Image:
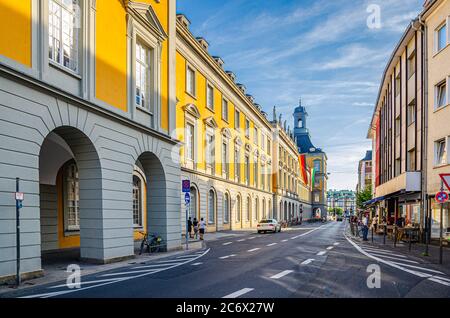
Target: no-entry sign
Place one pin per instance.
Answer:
(442, 197)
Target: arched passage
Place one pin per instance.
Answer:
(71, 197)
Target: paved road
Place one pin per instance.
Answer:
(313, 261)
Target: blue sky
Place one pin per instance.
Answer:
(321, 51)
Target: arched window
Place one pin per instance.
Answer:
(137, 201)
(249, 207)
(238, 209)
(226, 208)
(211, 207)
(193, 205)
(71, 197)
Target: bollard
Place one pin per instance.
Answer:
(372, 234)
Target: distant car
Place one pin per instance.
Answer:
(339, 218)
(270, 225)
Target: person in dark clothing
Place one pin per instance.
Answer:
(189, 224)
(195, 224)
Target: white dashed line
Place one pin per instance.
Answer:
(242, 240)
(284, 241)
(197, 264)
(228, 243)
(239, 293)
(254, 249)
(228, 256)
(308, 261)
(251, 238)
(330, 248)
(321, 253)
(271, 244)
(282, 274)
(336, 244)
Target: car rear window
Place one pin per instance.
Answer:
(265, 221)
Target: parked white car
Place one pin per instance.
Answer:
(270, 225)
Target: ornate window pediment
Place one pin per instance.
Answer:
(211, 122)
(238, 141)
(144, 13)
(192, 110)
(226, 133)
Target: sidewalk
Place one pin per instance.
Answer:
(417, 249)
(55, 266)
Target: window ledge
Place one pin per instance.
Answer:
(441, 166)
(64, 69)
(440, 108)
(439, 52)
(193, 96)
(211, 109)
(145, 110)
(71, 233)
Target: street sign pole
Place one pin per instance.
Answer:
(186, 189)
(18, 203)
(187, 226)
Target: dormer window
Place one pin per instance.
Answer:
(63, 32)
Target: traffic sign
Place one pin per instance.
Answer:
(446, 179)
(186, 185)
(442, 197)
(187, 198)
(19, 196)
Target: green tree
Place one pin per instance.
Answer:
(363, 196)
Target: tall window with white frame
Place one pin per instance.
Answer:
(249, 208)
(247, 128)
(441, 37)
(143, 78)
(255, 172)
(210, 97)
(137, 201)
(72, 197)
(225, 165)
(190, 81)
(238, 209)
(211, 207)
(226, 208)
(247, 170)
(224, 109)
(441, 94)
(210, 152)
(237, 166)
(440, 152)
(63, 31)
(190, 140)
(237, 119)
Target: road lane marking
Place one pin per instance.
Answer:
(53, 294)
(154, 265)
(284, 241)
(329, 248)
(282, 274)
(374, 250)
(271, 244)
(228, 243)
(228, 256)
(439, 281)
(197, 264)
(395, 258)
(251, 238)
(418, 267)
(308, 261)
(254, 249)
(413, 272)
(90, 282)
(239, 293)
(321, 253)
(130, 272)
(336, 244)
(242, 240)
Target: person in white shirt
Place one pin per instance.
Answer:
(365, 223)
(202, 228)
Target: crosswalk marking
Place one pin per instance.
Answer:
(282, 274)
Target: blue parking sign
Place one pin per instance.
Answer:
(187, 198)
(186, 185)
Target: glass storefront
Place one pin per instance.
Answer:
(436, 218)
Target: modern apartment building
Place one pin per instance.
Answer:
(409, 128)
(87, 105)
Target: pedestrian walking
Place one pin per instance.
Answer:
(365, 226)
(195, 224)
(202, 228)
(375, 223)
(189, 224)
